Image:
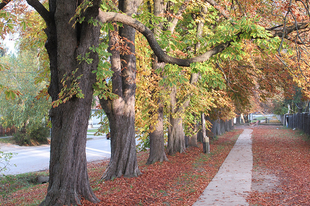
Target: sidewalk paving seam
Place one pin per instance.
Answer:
(233, 181)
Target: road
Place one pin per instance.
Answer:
(36, 158)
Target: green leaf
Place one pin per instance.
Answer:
(111, 27)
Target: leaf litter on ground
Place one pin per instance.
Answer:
(283, 155)
(179, 181)
(281, 174)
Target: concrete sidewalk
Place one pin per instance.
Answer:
(231, 184)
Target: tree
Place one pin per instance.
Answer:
(7, 25)
(65, 44)
(26, 112)
(121, 110)
(156, 133)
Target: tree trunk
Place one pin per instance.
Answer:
(122, 136)
(206, 140)
(193, 139)
(68, 180)
(238, 119)
(217, 124)
(213, 128)
(222, 126)
(176, 136)
(157, 144)
(157, 141)
(121, 111)
(200, 136)
(226, 126)
(232, 124)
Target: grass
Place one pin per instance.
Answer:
(12, 183)
(7, 140)
(259, 118)
(92, 130)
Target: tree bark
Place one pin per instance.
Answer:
(222, 123)
(121, 111)
(212, 129)
(232, 124)
(226, 126)
(157, 144)
(68, 180)
(200, 136)
(176, 136)
(193, 139)
(194, 79)
(238, 119)
(206, 139)
(217, 127)
(157, 141)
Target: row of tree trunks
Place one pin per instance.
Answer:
(219, 127)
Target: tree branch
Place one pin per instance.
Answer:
(4, 3)
(46, 15)
(275, 31)
(178, 14)
(162, 56)
(219, 8)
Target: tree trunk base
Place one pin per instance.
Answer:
(152, 160)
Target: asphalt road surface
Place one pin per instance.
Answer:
(36, 158)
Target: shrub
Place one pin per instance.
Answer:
(21, 138)
(40, 135)
(32, 136)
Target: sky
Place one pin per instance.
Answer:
(9, 42)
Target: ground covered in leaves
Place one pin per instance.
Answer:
(281, 172)
(180, 181)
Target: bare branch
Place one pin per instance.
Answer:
(278, 30)
(287, 66)
(297, 30)
(46, 15)
(306, 6)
